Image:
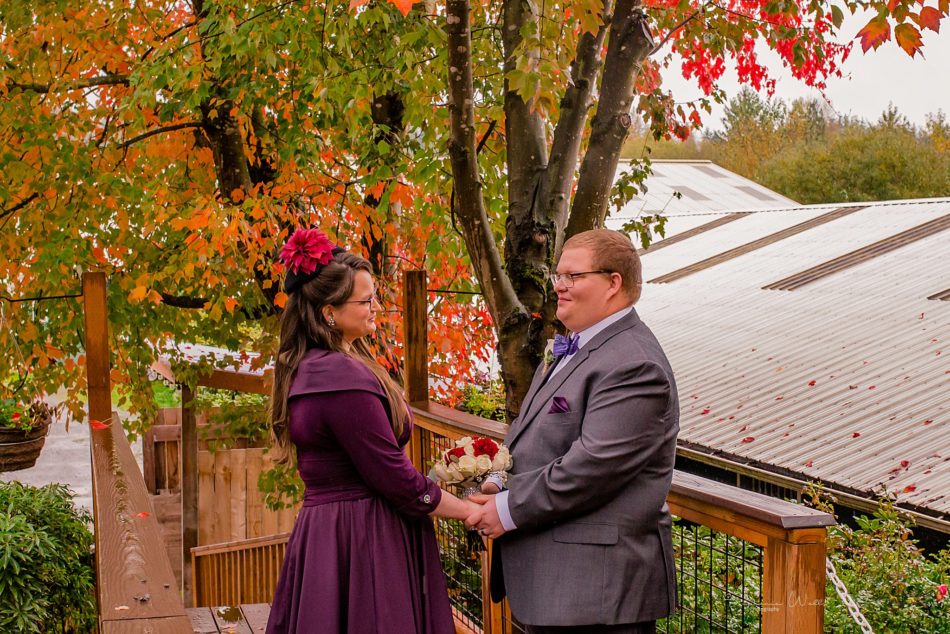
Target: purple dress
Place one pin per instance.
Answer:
(362, 557)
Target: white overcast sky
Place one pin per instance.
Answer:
(871, 81)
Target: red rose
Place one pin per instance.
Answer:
(485, 447)
(458, 452)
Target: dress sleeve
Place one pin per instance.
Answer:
(361, 425)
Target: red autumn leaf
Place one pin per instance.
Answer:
(748, 439)
(910, 488)
(402, 5)
(856, 434)
(905, 463)
(779, 398)
(536, 315)
(809, 463)
(928, 421)
(908, 38)
(874, 33)
(785, 435)
(142, 514)
(812, 383)
(871, 387)
(743, 428)
(930, 19)
(98, 424)
(704, 412)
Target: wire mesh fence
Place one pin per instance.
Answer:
(718, 581)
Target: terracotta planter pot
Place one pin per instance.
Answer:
(19, 449)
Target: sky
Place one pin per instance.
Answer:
(871, 81)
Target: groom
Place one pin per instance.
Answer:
(583, 530)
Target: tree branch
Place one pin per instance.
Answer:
(569, 132)
(90, 82)
(163, 129)
(476, 227)
(9, 211)
(629, 44)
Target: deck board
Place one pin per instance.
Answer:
(244, 619)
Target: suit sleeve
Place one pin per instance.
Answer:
(625, 429)
(361, 426)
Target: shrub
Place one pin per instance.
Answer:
(46, 576)
(896, 585)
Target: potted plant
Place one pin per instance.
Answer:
(23, 429)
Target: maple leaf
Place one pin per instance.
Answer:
(908, 38)
(874, 33)
(138, 293)
(929, 18)
(748, 439)
(402, 5)
(98, 424)
(910, 488)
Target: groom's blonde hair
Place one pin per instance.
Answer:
(612, 251)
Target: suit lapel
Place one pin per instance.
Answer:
(540, 392)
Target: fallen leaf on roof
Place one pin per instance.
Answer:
(748, 439)
(809, 463)
(704, 412)
(856, 434)
(905, 463)
(812, 383)
(910, 488)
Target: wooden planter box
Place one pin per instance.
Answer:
(19, 449)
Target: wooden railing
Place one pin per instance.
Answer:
(136, 588)
(243, 571)
(792, 537)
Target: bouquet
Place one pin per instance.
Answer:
(470, 461)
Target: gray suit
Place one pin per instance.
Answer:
(588, 488)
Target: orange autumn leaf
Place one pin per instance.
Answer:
(138, 294)
(874, 33)
(908, 38)
(910, 488)
(98, 424)
(930, 18)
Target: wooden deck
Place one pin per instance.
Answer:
(243, 619)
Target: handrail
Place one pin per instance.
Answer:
(136, 588)
(792, 536)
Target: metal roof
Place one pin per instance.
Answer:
(704, 187)
(846, 379)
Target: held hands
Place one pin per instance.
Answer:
(484, 516)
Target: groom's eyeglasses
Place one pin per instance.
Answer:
(567, 279)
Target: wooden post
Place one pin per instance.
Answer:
(189, 490)
(415, 313)
(95, 306)
(415, 306)
(793, 583)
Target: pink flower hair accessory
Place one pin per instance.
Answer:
(306, 252)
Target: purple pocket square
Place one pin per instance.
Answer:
(559, 405)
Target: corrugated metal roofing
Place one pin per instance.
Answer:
(846, 380)
(705, 189)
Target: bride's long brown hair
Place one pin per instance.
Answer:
(303, 326)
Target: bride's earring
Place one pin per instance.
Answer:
(331, 321)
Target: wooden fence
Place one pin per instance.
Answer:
(230, 505)
(238, 572)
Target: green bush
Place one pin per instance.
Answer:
(46, 573)
(896, 584)
(485, 398)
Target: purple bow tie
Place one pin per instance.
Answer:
(565, 345)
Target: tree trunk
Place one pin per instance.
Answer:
(630, 43)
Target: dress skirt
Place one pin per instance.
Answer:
(357, 567)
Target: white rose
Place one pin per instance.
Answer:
(464, 441)
(502, 460)
(483, 463)
(439, 472)
(455, 475)
(467, 467)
